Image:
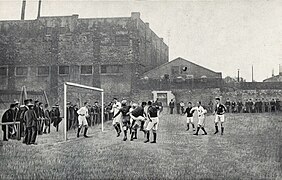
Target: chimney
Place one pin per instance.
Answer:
(23, 9)
(272, 72)
(39, 9)
(280, 70)
(147, 24)
(252, 73)
(135, 15)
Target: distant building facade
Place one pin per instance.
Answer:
(109, 53)
(181, 68)
(277, 78)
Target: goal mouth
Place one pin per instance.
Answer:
(71, 84)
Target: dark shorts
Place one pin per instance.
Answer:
(126, 121)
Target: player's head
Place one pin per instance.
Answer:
(46, 106)
(85, 104)
(199, 103)
(40, 104)
(115, 100)
(217, 100)
(143, 104)
(189, 104)
(149, 103)
(12, 106)
(123, 102)
(96, 103)
(134, 105)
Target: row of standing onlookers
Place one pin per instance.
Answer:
(248, 106)
(33, 118)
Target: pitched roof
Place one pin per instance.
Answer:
(178, 59)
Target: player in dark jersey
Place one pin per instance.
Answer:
(189, 116)
(153, 122)
(220, 110)
(137, 116)
(124, 110)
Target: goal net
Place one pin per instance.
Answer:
(74, 97)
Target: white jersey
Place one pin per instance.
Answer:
(200, 110)
(116, 108)
(83, 111)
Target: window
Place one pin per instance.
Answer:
(175, 70)
(43, 71)
(122, 40)
(108, 69)
(63, 70)
(21, 71)
(3, 71)
(84, 69)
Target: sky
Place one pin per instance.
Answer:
(222, 35)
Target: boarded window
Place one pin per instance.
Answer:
(64, 70)
(175, 70)
(21, 71)
(107, 69)
(43, 71)
(84, 69)
(122, 40)
(3, 71)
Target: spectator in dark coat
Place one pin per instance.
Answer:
(7, 117)
(30, 120)
(272, 105)
(227, 105)
(47, 119)
(277, 105)
(171, 106)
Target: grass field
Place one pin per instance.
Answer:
(250, 149)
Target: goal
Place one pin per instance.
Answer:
(68, 84)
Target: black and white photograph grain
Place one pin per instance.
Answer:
(140, 89)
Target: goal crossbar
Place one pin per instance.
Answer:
(66, 84)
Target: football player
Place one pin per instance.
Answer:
(117, 120)
(124, 111)
(201, 116)
(82, 122)
(137, 116)
(219, 112)
(189, 116)
(153, 122)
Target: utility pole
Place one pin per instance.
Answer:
(252, 73)
(23, 9)
(238, 75)
(39, 9)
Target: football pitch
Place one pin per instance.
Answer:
(251, 148)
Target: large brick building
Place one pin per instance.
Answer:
(106, 52)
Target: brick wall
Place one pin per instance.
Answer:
(72, 41)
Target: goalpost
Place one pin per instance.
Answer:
(66, 84)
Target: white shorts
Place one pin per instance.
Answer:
(82, 121)
(117, 119)
(201, 121)
(219, 118)
(190, 120)
(153, 125)
(139, 118)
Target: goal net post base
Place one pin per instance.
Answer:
(66, 85)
